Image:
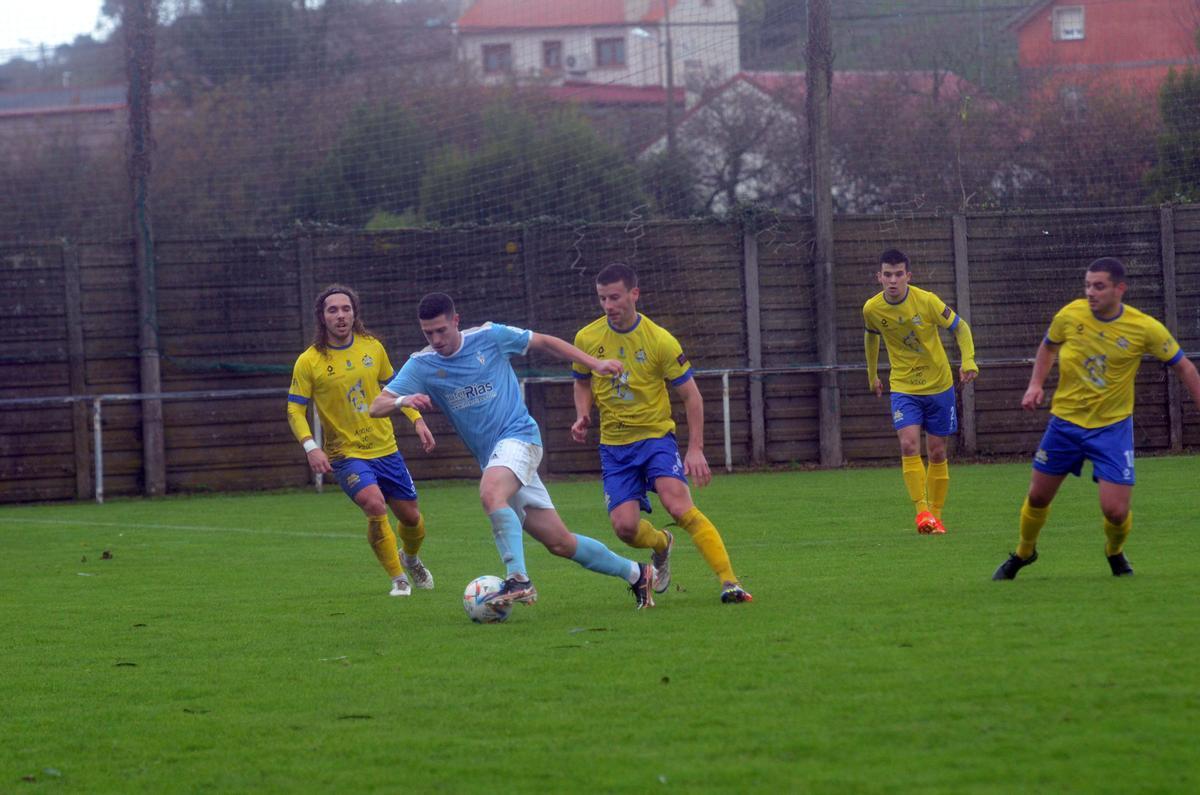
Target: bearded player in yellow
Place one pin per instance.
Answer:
(1099, 342)
(341, 372)
(922, 386)
(638, 451)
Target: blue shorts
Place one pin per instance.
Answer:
(1065, 445)
(629, 470)
(935, 413)
(388, 472)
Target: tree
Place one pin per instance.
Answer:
(551, 165)
(375, 166)
(1176, 176)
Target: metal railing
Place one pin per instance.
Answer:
(97, 402)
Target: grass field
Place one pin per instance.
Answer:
(247, 644)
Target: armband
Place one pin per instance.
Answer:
(310, 445)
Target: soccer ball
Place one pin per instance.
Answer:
(477, 609)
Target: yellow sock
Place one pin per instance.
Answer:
(937, 482)
(383, 542)
(1116, 534)
(649, 537)
(708, 541)
(913, 471)
(1032, 520)
(412, 537)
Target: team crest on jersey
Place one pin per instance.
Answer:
(640, 356)
(441, 373)
(1122, 343)
(367, 361)
(916, 320)
(480, 357)
(1097, 369)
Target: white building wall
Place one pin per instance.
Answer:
(710, 47)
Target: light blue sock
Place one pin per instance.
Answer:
(594, 556)
(506, 530)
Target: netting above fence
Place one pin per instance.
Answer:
(376, 114)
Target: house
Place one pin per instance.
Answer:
(604, 42)
(745, 138)
(95, 116)
(1071, 47)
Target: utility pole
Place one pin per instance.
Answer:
(819, 80)
(139, 20)
(670, 79)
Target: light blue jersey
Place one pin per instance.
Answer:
(475, 387)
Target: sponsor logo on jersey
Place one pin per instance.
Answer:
(471, 395)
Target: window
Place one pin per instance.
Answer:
(1068, 23)
(552, 56)
(1074, 103)
(497, 58)
(610, 52)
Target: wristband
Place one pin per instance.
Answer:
(398, 399)
(310, 445)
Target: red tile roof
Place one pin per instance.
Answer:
(612, 94)
(504, 14)
(542, 13)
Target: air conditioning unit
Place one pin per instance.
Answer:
(578, 64)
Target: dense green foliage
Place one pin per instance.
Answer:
(1176, 177)
(552, 165)
(246, 643)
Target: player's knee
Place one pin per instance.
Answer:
(560, 547)
(407, 513)
(491, 502)
(1114, 513)
(373, 506)
(625, 531)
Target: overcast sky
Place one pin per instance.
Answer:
(24, 24)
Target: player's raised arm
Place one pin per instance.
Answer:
(388, 403)
(565, 350)
(1042, 363)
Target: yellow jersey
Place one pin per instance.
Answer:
(634, 405)
(910, 331)
(1099, 359)
(343, 382)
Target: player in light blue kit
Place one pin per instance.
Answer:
(467, 375)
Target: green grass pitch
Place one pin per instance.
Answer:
(247, 644)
